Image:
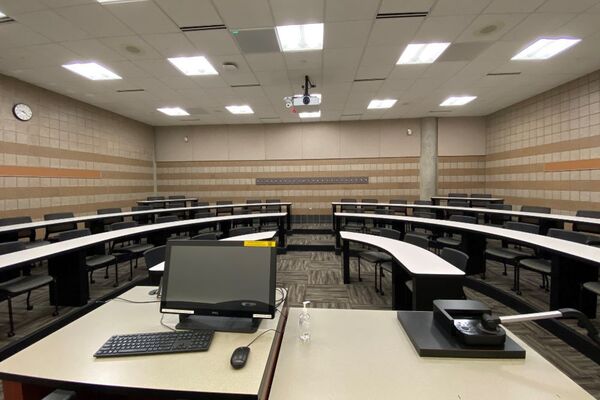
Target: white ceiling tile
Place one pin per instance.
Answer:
(513, 6)
(537, 25)
(159, 68)
(94, 19)
(381, 56)
(338, 75)
(570, 6)
(341, 58)
(350, 10)
(303, 60)
(51, 25)
(17, 35)
(459, 7)
(121, 45)
(442, 29)
(393, 31)
(265, 61)
(171, 44)
(217, 42)
(373, 72)
(239, 14)
(190, 12)
(401, 72)
(272, 78)
(294, 12)
(503, 22)
(93, 49)
(346, 34)
(401, 6)
(14, 7)
(583, 25)
(239, 78)
(143, 17)
(210, 81)
(444, 69)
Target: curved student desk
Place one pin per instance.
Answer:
(438, 199)
(65, 259)
(96, 224)
(64, 359)
(160, 267)
(572, 263)
(366, 354)
(547, 220)
(166, 201)
(432, 277)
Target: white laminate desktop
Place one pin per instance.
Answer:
(572, 249)
(167, 200)
(416, 260)
(53, 249)
(160, 267)
(366, 354)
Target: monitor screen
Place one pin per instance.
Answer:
(233, 279)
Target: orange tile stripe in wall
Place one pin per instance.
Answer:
(49, 172)
(578, 165)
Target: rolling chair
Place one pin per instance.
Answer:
(411, 238)
(533, 209)
(155, 256)
(177, 197)
(398, 211)
(497, 219)
(124, 250)
(480, 203)
(594, 239)
(21, 285)
(156, 205)
(28, 234)
(458, 195)
(377, 257)
(270, 224)
(454, 241)
(456, 203)
(224, 210)
(52, 230)
(141, 219)
(110, 220)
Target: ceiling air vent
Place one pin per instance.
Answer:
(503, 73)
(196, 28)
(130, 90)
(246, 85)
(417, 14)
(369, 79)
(440, 111)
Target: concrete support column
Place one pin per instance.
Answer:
(428, 161)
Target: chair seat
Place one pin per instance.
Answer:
(24, 284)
(537, 264)
(409, 285)
(506, 253)
(134, 248)
(422, 234)
(592, 287)
(100, 260)
(37, 243)
(351, 228)
(449, 241)
(375, 256)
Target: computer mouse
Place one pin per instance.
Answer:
(239, 357)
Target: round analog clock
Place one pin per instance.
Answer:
(22, 112)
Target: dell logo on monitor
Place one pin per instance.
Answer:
(248, 304)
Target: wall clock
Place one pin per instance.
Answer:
(22, 112)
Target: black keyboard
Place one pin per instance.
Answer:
(156, 343)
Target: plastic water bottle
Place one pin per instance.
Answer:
(304, 322)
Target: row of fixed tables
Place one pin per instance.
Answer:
(572, 263)
(66, 258)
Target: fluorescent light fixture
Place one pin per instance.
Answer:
(457, 100)
(173, 111)
(544, 49)
(300, 37)
(194, 65)
(240, 109)
(422, 53)
(2, 15)
(92, 71)
(314, 114)
(377, 104)
(117, 1)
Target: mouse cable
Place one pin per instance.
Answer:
(125, 300)
(254, 340)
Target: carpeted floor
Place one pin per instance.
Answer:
(316, 276)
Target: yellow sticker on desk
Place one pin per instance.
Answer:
(256, 243)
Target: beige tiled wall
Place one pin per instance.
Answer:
(546, 150)
(70, 156)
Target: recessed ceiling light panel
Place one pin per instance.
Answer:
(117, 1)
(92, 71)
(379, 104)
(457, 101)
(2, 15)
(245, 109)
(194, 65)
(543, 49)
(313, 114)
(422, 53)
(300, 37)
(173, 111)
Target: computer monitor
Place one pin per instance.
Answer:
(220, 285)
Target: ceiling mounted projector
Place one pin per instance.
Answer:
(305, 99)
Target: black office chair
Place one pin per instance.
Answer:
(480, 203)
(533, 209)
(452, 240)
(21, 284)
(206, 236)
(155, 198)
(52, 230)
(458, 195)
(376, 257)
(224, 210)
(253, 209)
(142, 219)
(511, 255)
(124, 250)
(592, 286)
(157, 205)
(497, 219)
(422, 203)
(241, 230)
(421, 231)
(28, 234)
(456, 203)
(369, 207)
(594, 229)
(95, 261)
(398, 210)
(542, 264)
(270, 224)
(110, 220)
(353, 224)
(163, 219)
(454, 257)
(387, 266)
(155, 256)
(176, 197)
(348, 207)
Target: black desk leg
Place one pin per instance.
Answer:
(281, 233)
(336, 232)
(346, 261)
(427, 288)
(333, 207)
(567, 277)
(547, 224)
(71, 287)
(401, 295)
(399, 226)
(474, 245)
(225, 226)
(288, 217)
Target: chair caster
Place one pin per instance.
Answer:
(381, 293)
(106, 276)
(116, 284)
(29, 308)
(10, 334)
(360, 279)
(130, 278)
(55, 314)
(518, 292)
(92, 281)
(504, 273)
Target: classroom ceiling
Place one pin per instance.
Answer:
(357, 63)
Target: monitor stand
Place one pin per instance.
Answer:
(222, 324)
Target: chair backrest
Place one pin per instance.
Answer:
(398, 201)
(142, 219)
(165, 218)
(481, 195)
(423, 202)
(156, 197)
(177, 196)
(241, 230)
(571, 236)
(154, 256)
(498, 219)
(349, 207)
(458, 203)
(522, 227)
(176, 204)
(224, 210)
(464, 218)
(111, 220)
(11, 247)
(271, 209)
(389, 233)
(533, 209)
(73, 234)
(458, 195)
(417, 240)
(496, 206)
(205, 236)
(583, 227)
(123, 225)
(455, 257)
(53, 229)
(24, 233)
(369, 207)
(203, 214)
(253, 208)
(424, 214)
